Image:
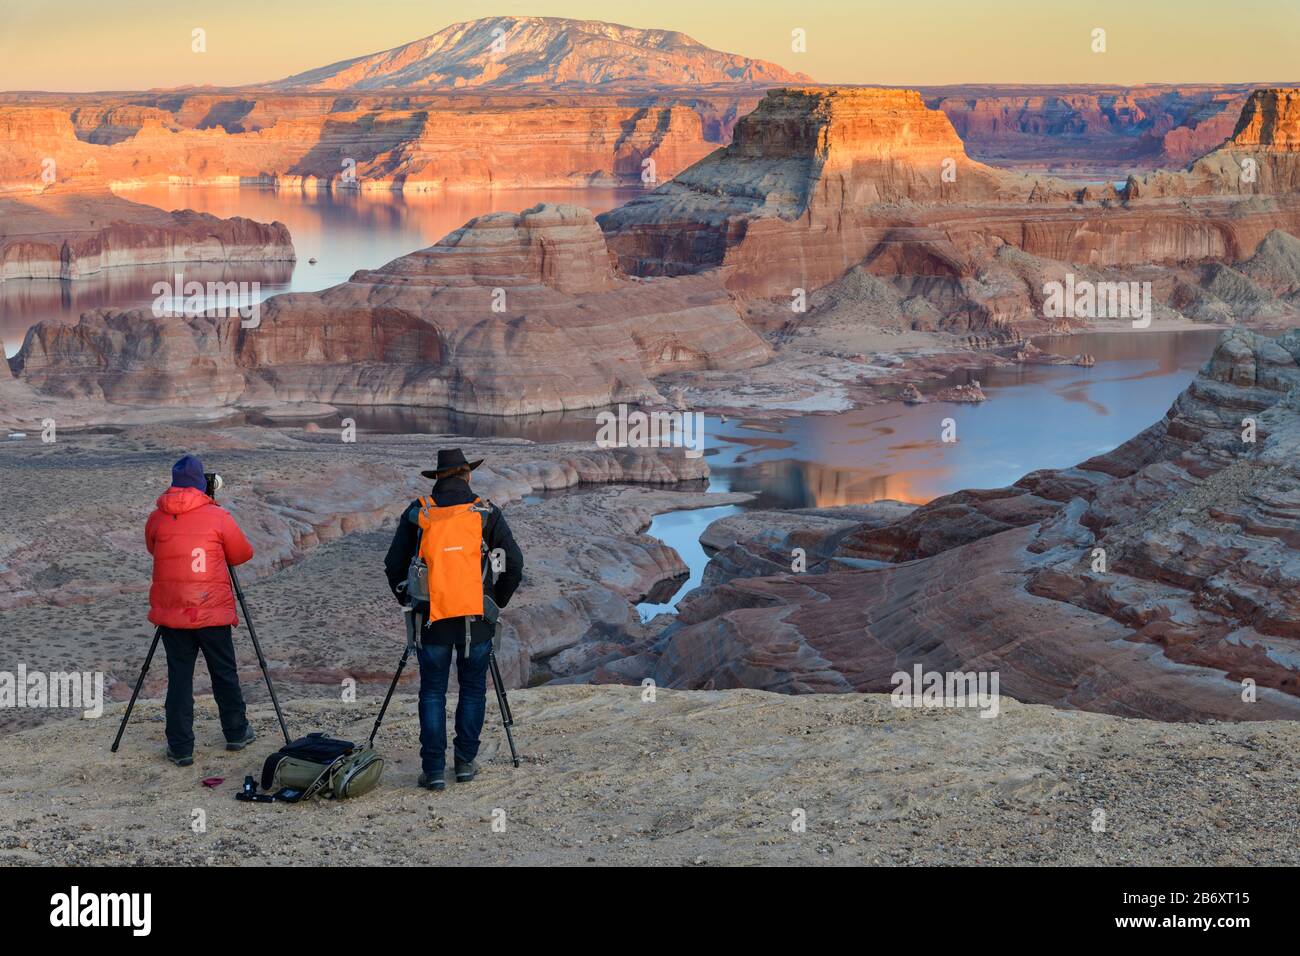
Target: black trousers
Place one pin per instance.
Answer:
(218, 649)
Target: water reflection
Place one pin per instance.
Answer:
(24, 302)
(1037, 417)
(343, 233)
(543, 427)
(681, 531)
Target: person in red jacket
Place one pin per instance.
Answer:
(194, 543)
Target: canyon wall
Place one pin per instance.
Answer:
(1089, 130)
(414, 138)
(330, 143)
(1260, 159)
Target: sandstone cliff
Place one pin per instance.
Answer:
(381, 145)
(1090, 130)
(513, 313)
(63, 235)
(784, 205)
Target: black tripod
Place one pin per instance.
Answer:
(507, 718)
(252, 632)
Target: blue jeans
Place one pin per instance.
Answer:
(471, 674)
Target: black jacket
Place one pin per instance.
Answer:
(455, 491)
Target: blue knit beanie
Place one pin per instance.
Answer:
(188, 473)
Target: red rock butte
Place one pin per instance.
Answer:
(817, 181)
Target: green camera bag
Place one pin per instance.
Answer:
(323, 766)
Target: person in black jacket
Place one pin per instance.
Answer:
(438, 639)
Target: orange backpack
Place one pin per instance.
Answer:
(452, 549)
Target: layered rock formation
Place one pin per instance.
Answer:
(62, 235)
(1261, 289)
(510, 314)
(1160, 579)
(613, 98)
(330, 143)
(581, 133)
(820, 183)
(783, 206)
(551, 51)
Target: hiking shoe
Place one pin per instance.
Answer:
(249, 737)
(184, 761)
(429, 781)
(465, 772)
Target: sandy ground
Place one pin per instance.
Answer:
(693, 778)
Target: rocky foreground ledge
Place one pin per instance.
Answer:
(695, 778)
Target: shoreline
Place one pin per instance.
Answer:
(919, 364)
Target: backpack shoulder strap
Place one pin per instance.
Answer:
(419, 507)
(485, 507)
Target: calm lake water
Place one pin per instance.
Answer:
(1036, 416)
(343, 232)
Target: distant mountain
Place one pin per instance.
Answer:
(542, 51)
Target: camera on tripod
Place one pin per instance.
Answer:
(214, 483)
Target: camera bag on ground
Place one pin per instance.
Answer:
(323, 766)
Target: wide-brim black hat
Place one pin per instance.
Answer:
(449, 459)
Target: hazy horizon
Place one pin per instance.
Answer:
(82, 46)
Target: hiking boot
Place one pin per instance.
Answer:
(432, 781)
(184, 761)
(249, 737)
(465, 772)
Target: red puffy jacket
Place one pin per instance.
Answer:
(192, 541)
